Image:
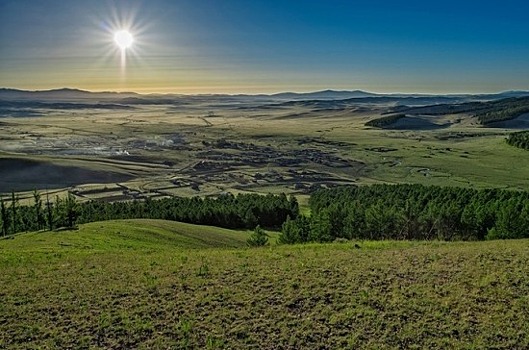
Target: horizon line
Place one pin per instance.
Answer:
(359, 90)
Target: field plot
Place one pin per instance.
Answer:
(153, 284)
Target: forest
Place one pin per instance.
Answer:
(376, 212)
(411, 212)
(385, 121)
(504, 110)
(519, 139)
(244, 211)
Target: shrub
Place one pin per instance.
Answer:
(258, 238)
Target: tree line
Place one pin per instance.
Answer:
(229, 211)
(401, 212)
(519, 139)
(385, 121)
(43, 214)
(411, 212)
(503, 110)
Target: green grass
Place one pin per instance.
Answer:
(483, 161)
(98, 292)
(120, 235)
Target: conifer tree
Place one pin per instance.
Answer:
(14, 217)
(258, 238)
(49, 212)
(4, 217)
(37, 207)
(70, 210)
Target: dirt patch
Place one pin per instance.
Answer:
(24, 174)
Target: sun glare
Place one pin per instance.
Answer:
(123, 39)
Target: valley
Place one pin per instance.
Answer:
(127, 148)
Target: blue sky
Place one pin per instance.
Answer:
(253, 46)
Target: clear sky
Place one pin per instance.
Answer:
(250, 46)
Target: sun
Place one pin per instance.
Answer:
(123, 39)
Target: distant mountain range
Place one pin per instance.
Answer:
(72, 95)
(359, 94)
(64, 94)
(324, 95)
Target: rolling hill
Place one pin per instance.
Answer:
(138, 234)
(133, 284)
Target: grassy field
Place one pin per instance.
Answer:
(155, 284)
(137, 234)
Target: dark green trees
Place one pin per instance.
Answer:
(38, 213)
(295, 231)
(385, 121)
(258, 238)
(14, 212)
(519, 139)
(241, 211)
(412, 212)
(70, 208)
(4, 217)
(49, 212)
(368, 212)
(502, 110)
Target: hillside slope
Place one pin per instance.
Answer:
(138, 234)
(381, 295)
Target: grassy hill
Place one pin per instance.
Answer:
(129, 284)
(118, 235)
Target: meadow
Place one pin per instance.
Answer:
(156, 284)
